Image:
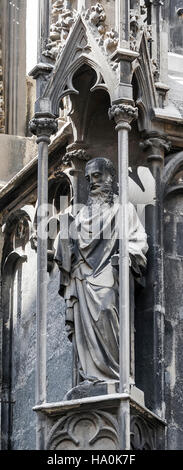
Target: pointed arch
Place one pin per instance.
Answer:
(81, 48)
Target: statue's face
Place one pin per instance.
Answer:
(98, 177)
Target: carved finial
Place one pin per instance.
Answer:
(111, 41)
(97, 15)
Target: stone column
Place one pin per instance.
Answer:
(13, 16)
(43, 28)
(123, 114)
(122, 25)
(43, 125)
(155, 145)
(156, 25)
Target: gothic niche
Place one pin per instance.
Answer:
(59, 199)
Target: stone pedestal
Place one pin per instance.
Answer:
(93, 424)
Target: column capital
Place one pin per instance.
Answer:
(80, 154)
(155, 143)
(123, 114)
(43, 126)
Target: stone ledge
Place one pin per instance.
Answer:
(146, 412)
(100, 401)
(94, 423)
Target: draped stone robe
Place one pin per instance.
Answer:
(89, 284)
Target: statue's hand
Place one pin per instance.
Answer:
(115, 261)
(136, 269)
(70, 329)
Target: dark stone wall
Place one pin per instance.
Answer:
(59, 348)
(22, 431)
(173, 272)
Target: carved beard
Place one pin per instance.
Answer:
(105, 196)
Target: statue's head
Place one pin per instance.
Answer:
(100, 175)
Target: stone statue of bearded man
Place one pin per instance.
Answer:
(89, 282)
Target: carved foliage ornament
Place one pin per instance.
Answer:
(2, 113)
(108, 39)
(156, 143)
(80, 154)
(123, 112)
(62, 19)
(97, 15)
(43, 126)
(138, 24)
(87, 430)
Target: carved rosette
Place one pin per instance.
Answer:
(84, 430)
(138, 24)
(123, 114)
(43, 126)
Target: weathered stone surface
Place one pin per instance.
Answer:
(170, 9)
(59, 352)
(97, 430)
(15, 152)
(173, 321)
(23, 338)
